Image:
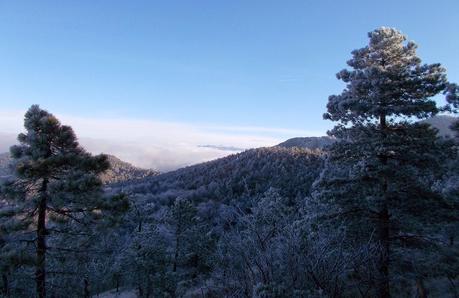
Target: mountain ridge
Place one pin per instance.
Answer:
(119, 170)
(312, 143)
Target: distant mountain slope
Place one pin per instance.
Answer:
(308, 142)
(124, 171)
(4, 161)
(291, 167)
(443, 124)
(119, 171)
(235, 177)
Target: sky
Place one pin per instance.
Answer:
(156, 82)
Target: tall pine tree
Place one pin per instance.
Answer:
(378, 178)
(55, 190)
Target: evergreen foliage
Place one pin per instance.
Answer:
(371, 211)
(379, 178)
(56, 190)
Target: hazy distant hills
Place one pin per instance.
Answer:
(250, 171)
(120, 170)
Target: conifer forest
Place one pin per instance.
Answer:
(369, 210)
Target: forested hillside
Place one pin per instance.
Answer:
(238, 176)
(123, 171)
(370, 211)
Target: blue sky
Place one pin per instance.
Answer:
(268, 65)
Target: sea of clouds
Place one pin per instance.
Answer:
(160, 145)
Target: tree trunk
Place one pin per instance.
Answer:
(453, 287)
(421, 291)
(176, 254)
(383, 268)
(86, 288)
(178, 232)
(40, 274)
(140, 291)
(6, 290)
(383, 227)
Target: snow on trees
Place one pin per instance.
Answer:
(379, 177)
(55, 191)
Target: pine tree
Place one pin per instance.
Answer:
(192, 244)
(378, 178)
(55, 190)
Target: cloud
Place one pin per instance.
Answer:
(222, 148)
(158, 144)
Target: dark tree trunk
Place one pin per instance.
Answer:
(86, 288)
(40, 274)
(453, 286)
(383, 283)
(178, 232)
(383, 226)
(6, 289)
(140, 291)
(420, 288)
(176, 254)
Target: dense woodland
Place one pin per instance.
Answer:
(370, 211)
